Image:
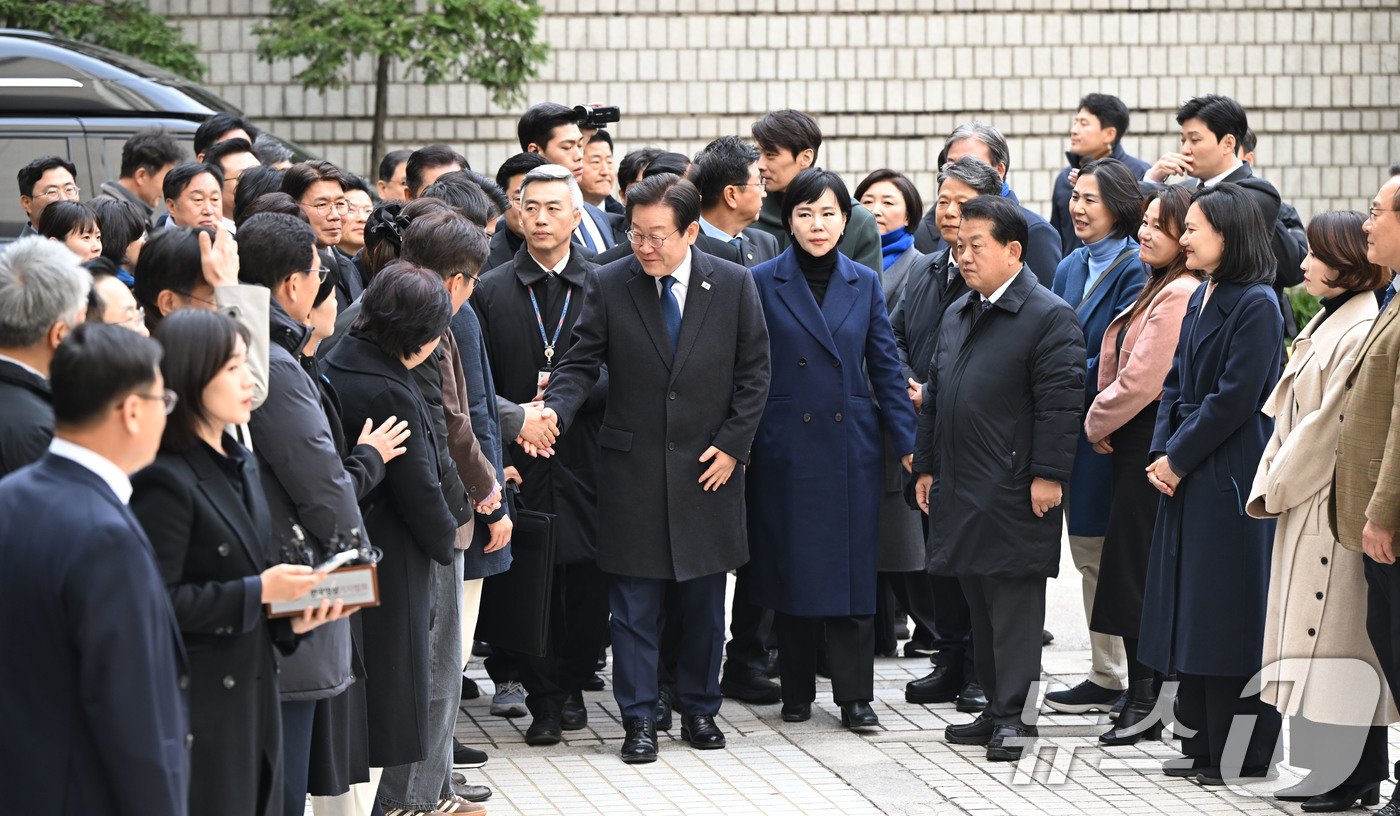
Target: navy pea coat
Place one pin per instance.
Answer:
(1091, 484)
(817, 473)
(1208, 573)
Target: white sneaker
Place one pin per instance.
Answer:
(509, 700)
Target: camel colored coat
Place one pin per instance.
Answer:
(1317, 592)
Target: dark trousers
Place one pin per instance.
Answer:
(850, 653)
(638, 609)
(297, 719)
(578, 629)
(1213, 706)
(1007, 616)
(1383, 618)
(1137, 670)
(1339, 754)
(951, 621)
(914, 591)
(750, 629)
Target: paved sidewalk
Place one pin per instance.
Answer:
(818, 767)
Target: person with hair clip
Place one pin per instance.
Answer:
(814, 542)
(1100, 280)
(1317, 587)
(1204, 607)
(202, 507)
(1134, 358)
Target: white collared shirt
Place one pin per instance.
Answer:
(95, 462)
(31, 369)
(594, 231)
(1211, 182)
(1001, 290)
(715, 232)
(557, 268)
(682, 284)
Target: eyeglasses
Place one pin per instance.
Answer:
(637, 239)
(319, 273)
(135, 316)
(1376, 211)
(67, 190)
(364, 211)
(760, 183)
(169, 398)
(192, 296)
(341, 206)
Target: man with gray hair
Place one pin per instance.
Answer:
(43, 296)
(933, 283)
(527, 309)
(986, 143)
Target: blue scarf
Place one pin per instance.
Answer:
(895, 243)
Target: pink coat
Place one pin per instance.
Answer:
(1130, 383)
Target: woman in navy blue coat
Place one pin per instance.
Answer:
(1208, 574)
(815, 477)
(1099, 279)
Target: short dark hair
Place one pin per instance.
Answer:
(669, 162)
(198, 344)
(518, 165)
(913, 202)
(150, 149)
(270, 150)
(1336, 238)
(391, 162)
(355, 181)
(62, 217)
(272, 203)
(1109, 110)
(722, 163)
(810, 185)
(169, 261)
(211, 129)
(218, 151)
(1120, 192)
(299, 177)
(1008, 223)
(1395, 169)
(272, 247)
(1250, 141)
(183, 173)
(30, 174)
(404, 308)
(434, 155)
(1221, 114)
(122, 222)
(447, 244)
(462, 194)
(634, 164)
(790, 130)
(601, 135)
(668, 189)
(536, 125)
(255, 183)
(1249, 251)
(95, 367)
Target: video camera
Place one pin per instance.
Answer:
(593, 117)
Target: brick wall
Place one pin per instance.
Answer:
(888, 80)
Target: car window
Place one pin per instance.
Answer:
(16, 152)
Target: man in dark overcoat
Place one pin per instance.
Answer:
(996, 443)
(686, 349)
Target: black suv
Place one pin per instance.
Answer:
(72, 99)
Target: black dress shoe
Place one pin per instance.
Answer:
(918, 648)
(545, 729)
(770, 663)
(639, 745)
(1046, 637)
(465, 756)
(1187, 767)
(574, 717)
(661, 715)
(1391, 808)
(752, 688)
(977, 732)
(593, 683)
(1213, 778)
(859, 715)
(481, 648)
(470, 690)
(1009, 741)
(972, 699)
(797, 712)
(472, 793)
(940, 686)
(701, 732)
(1343, 797)
(1301, 792)
(1136, 720)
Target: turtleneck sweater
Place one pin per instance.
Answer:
(1102, 254)
(816, 269)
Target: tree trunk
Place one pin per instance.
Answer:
(381, 114)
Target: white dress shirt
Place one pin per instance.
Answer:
(594, 232)
(682, 284)
(97, 463)
(1211, 182)
(1001, 290)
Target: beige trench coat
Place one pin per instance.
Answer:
(1317, 592)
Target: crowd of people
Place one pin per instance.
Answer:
(222, 377)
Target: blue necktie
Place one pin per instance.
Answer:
(671, 312)
(587, 239)
(1389, 293)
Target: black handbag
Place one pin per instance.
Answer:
(515, 604)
